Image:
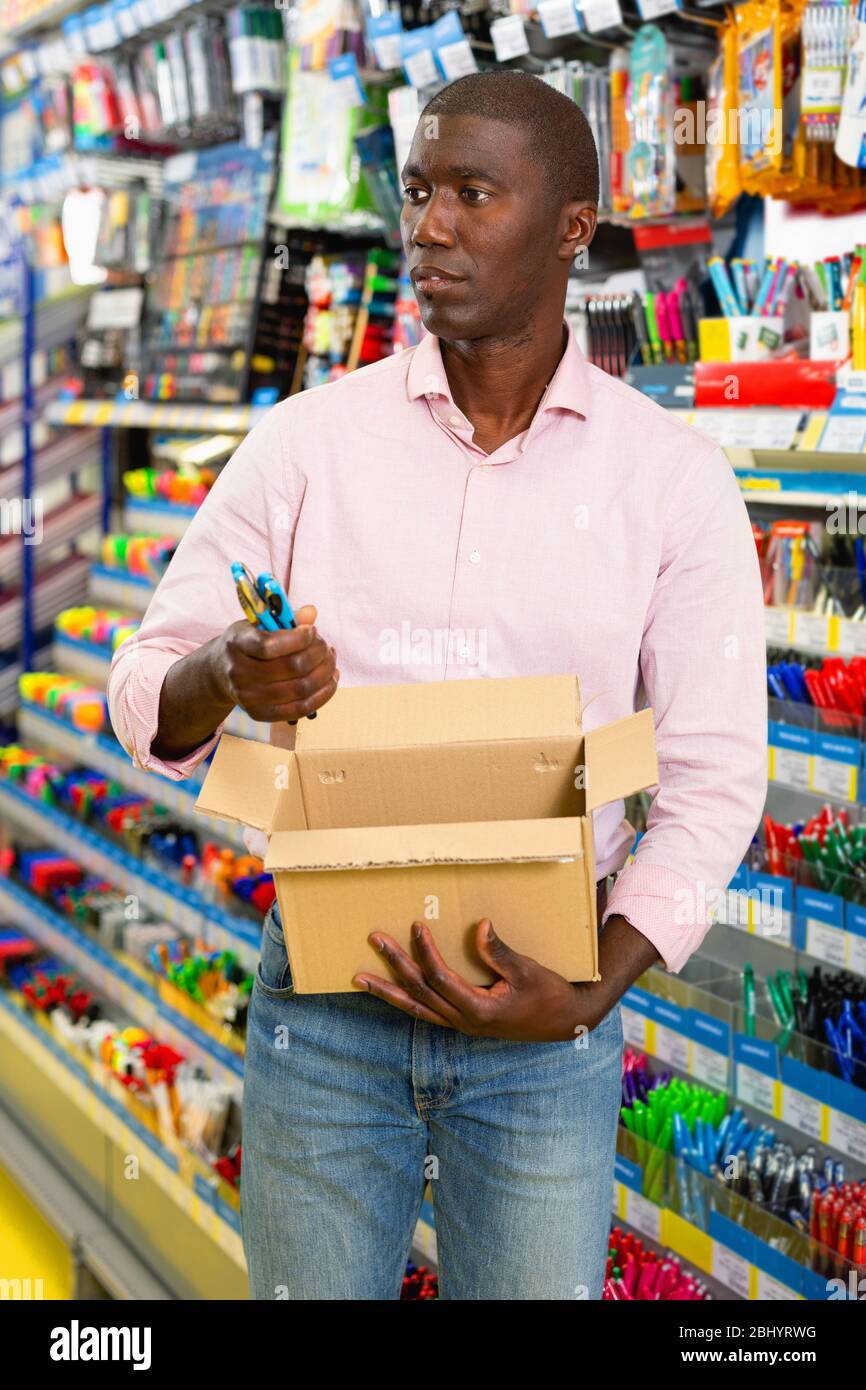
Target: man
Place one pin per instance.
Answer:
(489, 482)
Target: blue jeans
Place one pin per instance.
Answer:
(349, 1104)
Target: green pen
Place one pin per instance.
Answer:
(776, 1002)
(656, 348)
(749, 999)
(785, 978)
(640, 1114)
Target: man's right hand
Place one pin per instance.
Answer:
(276, 676)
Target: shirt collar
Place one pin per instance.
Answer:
(568, 388)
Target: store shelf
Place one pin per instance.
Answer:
(72, 657)
(227, 419)
(171, 901)
(752, 1279)
(172, 1212)
(91, 1261)
(61, 526)
(57, 320)
(114, 980)
(111, 588)
(157, 517)
(58, 459)
(58, 586)
(12, 412)
(104, 754)
(708, 1050)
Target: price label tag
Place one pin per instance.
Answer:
(835, 779)
(791, 767)
(821, 89)
(710, 1067)
(771, 1291)
(755, 1088)
(672, 1047)
(509, 38)
(386, 48)
(600, 14)
(825, 942)
(852, 637)
(848, 1135)
(855, 953)
(843, 434)
(645, 1216)
(730, 1269)
(651, 9)
(778, 625)
(811, 630)
(558, 17)
(634, 1028)
(801, 1111)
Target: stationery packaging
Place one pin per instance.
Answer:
(438, 801)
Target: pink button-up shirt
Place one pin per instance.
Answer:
(608, 540)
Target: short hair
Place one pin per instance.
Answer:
(558, 132)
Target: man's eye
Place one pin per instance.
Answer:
(476, 195)
(410, 194)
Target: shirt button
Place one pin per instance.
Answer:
(454, 420)
(475, 556)
(464, 653)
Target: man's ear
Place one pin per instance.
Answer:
(579, 221)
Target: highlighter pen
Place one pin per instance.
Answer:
(856, 263)
(724, 289)
(821, 273)
(858, 325)
(779, 291)
(779, 271)
(833, 267)
(738, 273)
(764, 288)
(816, 289)
(687, 318)
(664, 327)
(676, 327)
(652, 328)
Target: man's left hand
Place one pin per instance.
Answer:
(528, 1003)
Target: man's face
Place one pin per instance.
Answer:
(479, 230)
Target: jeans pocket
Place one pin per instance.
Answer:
(274, 975)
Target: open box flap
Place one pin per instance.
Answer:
(437, 712)
(470, 842)
(245, 782)
(620, 759)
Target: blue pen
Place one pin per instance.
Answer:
(774, 681)
(766, 285)
(836, 1043)
(860, 557)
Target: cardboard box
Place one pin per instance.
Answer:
(441, 801)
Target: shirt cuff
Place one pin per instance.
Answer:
(661, 905)
(139, 701)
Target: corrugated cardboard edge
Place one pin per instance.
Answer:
(405, 846)
(620, 759)
(242, 782)
(445, 713)
(592, 901)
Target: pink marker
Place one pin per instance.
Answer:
(664, 327)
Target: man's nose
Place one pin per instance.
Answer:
(433, 226)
